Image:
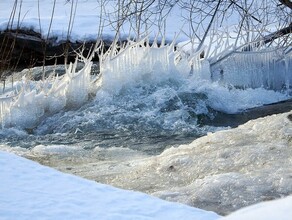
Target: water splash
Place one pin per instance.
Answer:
(143, 88)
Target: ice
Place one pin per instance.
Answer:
(56, 150)
(140, 85)
(222, 171)
(267, 68)
(32, 100)
(167, 73)
(232, 100)
(137, 62)
(77, 90)
(137, 77)
(155, 92)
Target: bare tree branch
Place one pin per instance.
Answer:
(287, 3)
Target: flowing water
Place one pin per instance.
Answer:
(134, 113)
(147, 115)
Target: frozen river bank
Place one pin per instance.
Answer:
(222, 171)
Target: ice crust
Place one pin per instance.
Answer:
(24, 183)
(228, 169)
(28, 101)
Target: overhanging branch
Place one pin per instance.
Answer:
(287, 3)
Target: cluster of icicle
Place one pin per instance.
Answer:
(269, 69)
(249, 64)
(31, 100)
(141, 61)
(123, 65)
(120, 65)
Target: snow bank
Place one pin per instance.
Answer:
(278, 209)
(31, 191)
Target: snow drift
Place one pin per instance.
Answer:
(31, 191)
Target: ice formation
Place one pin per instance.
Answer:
(137, 62)
(119, 68)
(31, 100)
(158, 89)
(267, 68)
(222, 171)
(144, 68)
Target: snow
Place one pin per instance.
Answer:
(278, 209)
(86, 22)
(31, 191)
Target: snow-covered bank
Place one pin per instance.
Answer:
(87, 19)
(31, 191)
(278, 209)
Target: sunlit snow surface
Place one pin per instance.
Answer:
(31, 191)
(279, 209)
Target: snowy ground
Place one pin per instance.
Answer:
(31, 191)
(279, 209)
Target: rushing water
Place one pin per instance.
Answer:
(137, 108)
(147, 116)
